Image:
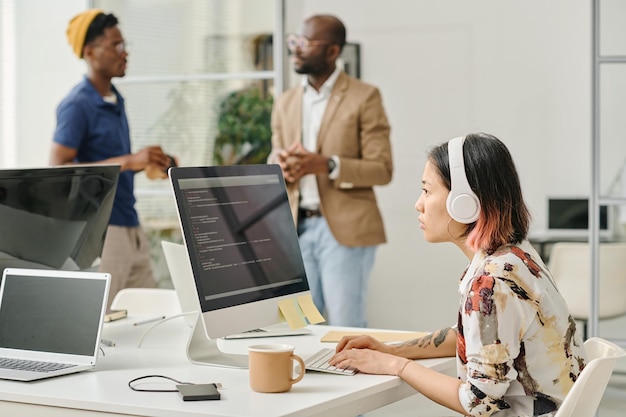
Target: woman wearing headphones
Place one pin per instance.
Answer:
(517, 347)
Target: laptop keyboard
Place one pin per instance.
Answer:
(35, 366)
(319, 362)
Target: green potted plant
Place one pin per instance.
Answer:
(244, 131)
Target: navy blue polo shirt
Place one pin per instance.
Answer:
(98, 130)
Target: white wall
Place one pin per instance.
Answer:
(46, 70)
(519, 70)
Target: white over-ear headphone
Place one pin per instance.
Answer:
(462, 204)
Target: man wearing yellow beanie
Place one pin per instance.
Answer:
(92, 127)
(77, 30)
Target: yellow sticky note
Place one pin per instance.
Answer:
(310, 311)
(293, 314)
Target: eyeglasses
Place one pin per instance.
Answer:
(119, 47)
(298, 41)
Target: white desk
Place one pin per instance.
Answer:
(105, 390)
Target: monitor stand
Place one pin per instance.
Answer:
(204, 351)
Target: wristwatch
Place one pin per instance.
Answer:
(331, 164)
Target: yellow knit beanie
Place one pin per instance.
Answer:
(77, 30)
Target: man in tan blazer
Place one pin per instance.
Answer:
(330, 135)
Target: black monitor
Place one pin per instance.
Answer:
(243, 248)
(55, 217)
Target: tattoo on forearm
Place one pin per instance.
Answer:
(441, 336)
(436, 338)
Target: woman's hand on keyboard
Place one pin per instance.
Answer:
(362, 342)
(368, 361)
(365, 354)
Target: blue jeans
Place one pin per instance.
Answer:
(338, 275)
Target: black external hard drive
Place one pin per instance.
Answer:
(198, 392)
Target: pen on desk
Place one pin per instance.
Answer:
(139, 323)
(107, 342)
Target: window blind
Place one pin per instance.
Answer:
(185, 58)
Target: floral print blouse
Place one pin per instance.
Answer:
(518, 350)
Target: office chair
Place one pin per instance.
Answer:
(145, 301)
(570, 264)
(584, 397)
(160, 302)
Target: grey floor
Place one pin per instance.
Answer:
(614, 401)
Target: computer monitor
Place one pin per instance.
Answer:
(569, 217)
(243, 249)
(55, 217)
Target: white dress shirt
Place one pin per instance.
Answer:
(313, 107)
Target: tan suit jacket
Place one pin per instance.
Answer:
(355, 129)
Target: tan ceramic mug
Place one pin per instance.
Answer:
(271, 367)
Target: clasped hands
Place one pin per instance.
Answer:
(296, 162)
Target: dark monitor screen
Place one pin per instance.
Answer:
(55, 217)
(240, 234)
(573, 214)
(51, 313)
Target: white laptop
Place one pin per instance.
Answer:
(50, 322)
(178, 264)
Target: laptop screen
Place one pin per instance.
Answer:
(573, 214)
(53, 313)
